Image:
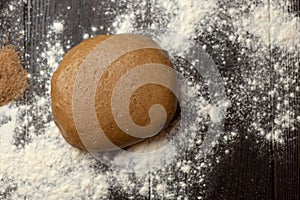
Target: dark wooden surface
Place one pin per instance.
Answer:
(263, 170)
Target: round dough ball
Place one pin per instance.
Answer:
(143, 98)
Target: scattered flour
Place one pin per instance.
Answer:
(50, 168)
(273, 25)
(47, 167)
(57, 27)
(257, 29)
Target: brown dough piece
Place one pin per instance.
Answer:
(143, 98)
(13, 78)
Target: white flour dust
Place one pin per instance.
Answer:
(273, 25)
(45, 167)
(256, 28)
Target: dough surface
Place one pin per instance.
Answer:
(62, 86)
(13, 78)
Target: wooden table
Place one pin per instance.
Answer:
(254, 170)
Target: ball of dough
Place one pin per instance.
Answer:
(143, 98)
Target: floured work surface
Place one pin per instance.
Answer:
(252, 43)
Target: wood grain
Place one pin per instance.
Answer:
(287, 155)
